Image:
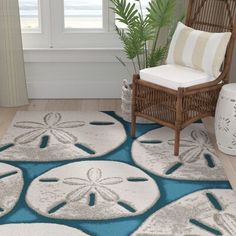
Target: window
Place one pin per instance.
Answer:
(68, 24)
(83, 14)
(29, 12)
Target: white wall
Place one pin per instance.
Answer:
(74, 73)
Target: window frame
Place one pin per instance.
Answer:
(40, 39)
(39, 30)
(54, 35)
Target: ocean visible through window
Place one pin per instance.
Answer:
(78, 14)
(29, 12)
(83, 14)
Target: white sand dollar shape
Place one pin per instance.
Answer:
(39, 229)
(154, 151)
(209, 212)
(11, 184)
(92, 190)
(53, 136)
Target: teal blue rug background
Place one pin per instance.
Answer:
(171, 190)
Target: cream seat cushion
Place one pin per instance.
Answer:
(175, 76)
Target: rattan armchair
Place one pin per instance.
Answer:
(177, 109)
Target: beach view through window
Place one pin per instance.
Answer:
(29, 12)
(78, 14)
(83, 14)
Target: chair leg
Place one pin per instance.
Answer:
(179, 119)
(177, 142)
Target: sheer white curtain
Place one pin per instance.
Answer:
(13, 91)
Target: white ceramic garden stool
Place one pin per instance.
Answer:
(225, 120)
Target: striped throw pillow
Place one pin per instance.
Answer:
(198, 49)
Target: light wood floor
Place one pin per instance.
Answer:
(7, 114)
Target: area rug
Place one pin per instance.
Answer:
(109, 184)
(153, 151)
(51, 136)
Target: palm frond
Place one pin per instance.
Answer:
(126, 12)
(143, 29)
(160, 12)
(157, 58)
(129, 43)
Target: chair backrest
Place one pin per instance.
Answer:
(215, 16)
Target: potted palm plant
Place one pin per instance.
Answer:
(140, 36)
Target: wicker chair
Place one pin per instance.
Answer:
(177, 109)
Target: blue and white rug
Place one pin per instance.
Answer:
(53, 136)
(73, 173)
(153, 151)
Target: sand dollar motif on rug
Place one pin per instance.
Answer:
(92, 190)
(127, 118)
(52, 136)
(154, 151)
(39, 229)
(11, 185)
(208, 212)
